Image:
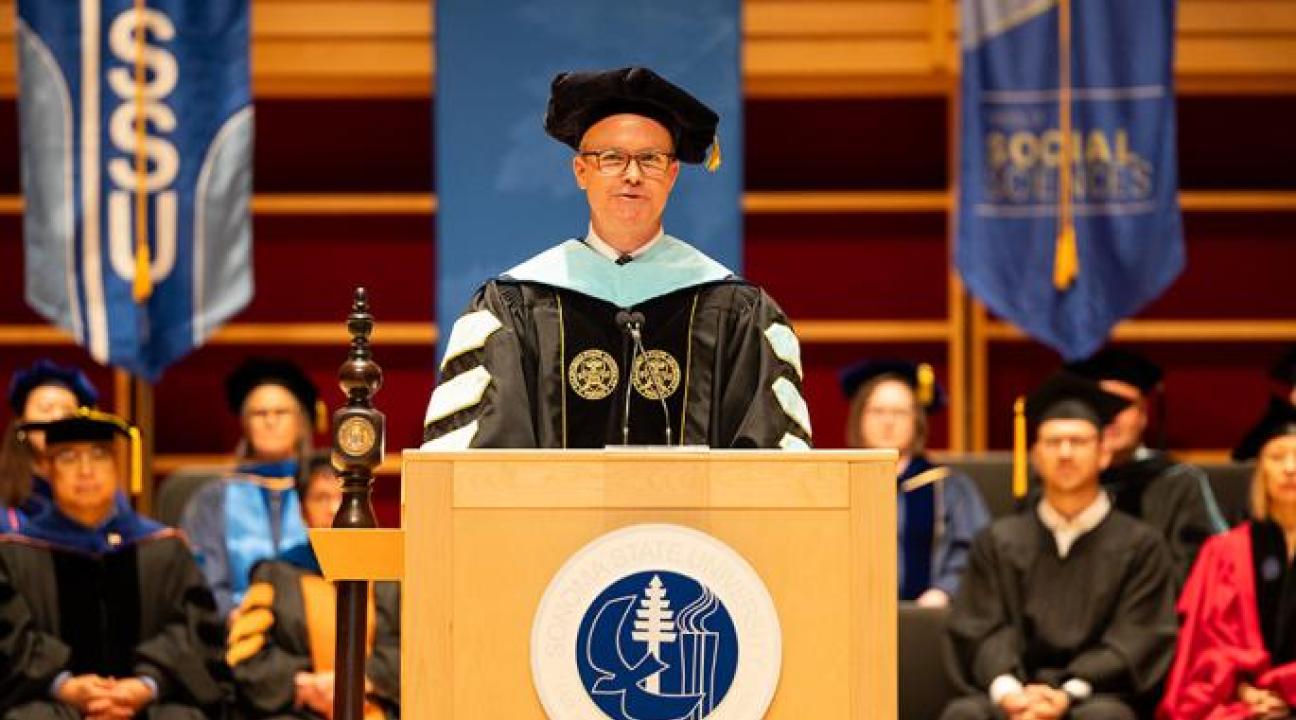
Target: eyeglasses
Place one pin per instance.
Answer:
(67, 458)
(652, 163)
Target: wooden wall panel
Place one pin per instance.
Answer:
(792, 48)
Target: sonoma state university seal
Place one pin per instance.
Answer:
(656, 622)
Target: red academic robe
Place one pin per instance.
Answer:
(1221, 643)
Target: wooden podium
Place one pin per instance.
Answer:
(484, 532)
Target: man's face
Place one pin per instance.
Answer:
(322, 500)
(1125, 433)
(272, 422)
(1278, 463)
(83, 476)
(887, 420)
(1068, 455)
(46, 403)
(630, 203)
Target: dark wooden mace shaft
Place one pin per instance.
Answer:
(358, 434)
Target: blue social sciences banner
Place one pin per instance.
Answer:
(505, 188)
(1123, 178)
(137, 295)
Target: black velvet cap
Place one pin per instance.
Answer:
(258, 371)
(577, 100)
(918, 376)
(1279, 419)
(1122, 365)
(85, 426)
(1068, 396)
(1285, 369)
(47, 372)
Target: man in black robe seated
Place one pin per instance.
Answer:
(281, 645)
(627, 335)
(103, 613)
(1171, 496)
(1067, 609)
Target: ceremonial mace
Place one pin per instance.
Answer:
(358, 446)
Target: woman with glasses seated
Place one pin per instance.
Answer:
(37, 394)
(938, 510)
(1237, 648)
(254, 513)
(627, 335)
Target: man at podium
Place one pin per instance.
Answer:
(628, 335)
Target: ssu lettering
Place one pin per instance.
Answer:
(162, 160)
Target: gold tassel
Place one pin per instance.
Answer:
(1066, 257)
(926, 385)
(713, 158)
(136, 461)
(1066, 261)
(321, 417)
(1019, 449)
(142, 287)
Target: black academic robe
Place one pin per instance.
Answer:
(272, 640)
(1173, 497)
(1104, 614)
(556, 372)
(141, 609)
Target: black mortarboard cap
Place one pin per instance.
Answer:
(258, 371)
(85, 426)
(1278, 420)
(47, 372)
(577, 100)
(1065, 395)
(919, 377)
(1122, 365)
(1285, 369)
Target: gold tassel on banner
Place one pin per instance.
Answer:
(142, 287)
(1019, 449)
(926, 385)
(1066, 257)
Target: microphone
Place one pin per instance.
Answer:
(632, 322)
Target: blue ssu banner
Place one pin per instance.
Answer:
(1117, 88)
(136, 125)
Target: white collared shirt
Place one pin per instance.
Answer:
(603, 248)
(1066, 532)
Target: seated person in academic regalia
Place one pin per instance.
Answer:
(939, 510)
(281, 647)
(1171, 496)
(45, 391)
(254, 513)
(627, 335)
(103, 613)
(1237, 647)
(1066, 609)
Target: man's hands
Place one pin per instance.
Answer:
(1263, 704)
(315, 691)
(100, 698)
(1036, 702)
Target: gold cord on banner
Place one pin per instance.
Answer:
(1019, 449)
(142, 288)
(1066, 258)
